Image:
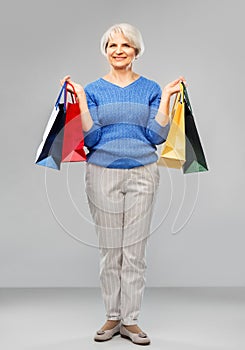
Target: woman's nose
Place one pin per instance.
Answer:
(118, 50)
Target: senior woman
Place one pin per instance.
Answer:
(124, 116)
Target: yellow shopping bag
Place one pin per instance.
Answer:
(173, 154)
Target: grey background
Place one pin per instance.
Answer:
(47, 238)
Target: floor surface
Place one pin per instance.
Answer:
(174, 319)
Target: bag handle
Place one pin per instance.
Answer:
(186, 97)
(64, 90)
(71, 92)
(60, 95)
(181, 96)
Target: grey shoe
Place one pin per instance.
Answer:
(108, 334)
(137, 338)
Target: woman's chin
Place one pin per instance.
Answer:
(121, 65)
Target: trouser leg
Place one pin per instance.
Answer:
(139, 201)
(106, 202)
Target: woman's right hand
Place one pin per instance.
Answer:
(78, 88)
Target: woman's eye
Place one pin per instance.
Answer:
(114, 45)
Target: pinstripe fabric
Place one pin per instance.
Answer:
(121, 203)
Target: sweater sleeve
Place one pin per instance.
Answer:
(155, 132)
(93, 135)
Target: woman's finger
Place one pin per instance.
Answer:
(66, 78)
(173, 83)
(177, 81)
(181, 78)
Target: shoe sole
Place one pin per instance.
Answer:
(101, 340)
(127, 337)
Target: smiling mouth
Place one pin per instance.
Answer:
(119, 58)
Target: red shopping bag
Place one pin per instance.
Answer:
(73, 142)
(63, 138)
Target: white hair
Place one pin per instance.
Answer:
(131, 33)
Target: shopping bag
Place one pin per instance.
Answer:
(173, 150)
(49, 152)
(63, 137)
(195, 158)
(73, 142)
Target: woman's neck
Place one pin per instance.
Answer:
(121, 76)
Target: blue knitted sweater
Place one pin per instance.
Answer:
(124, 133)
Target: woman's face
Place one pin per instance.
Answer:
(120, 52)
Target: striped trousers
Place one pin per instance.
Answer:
(121, 203)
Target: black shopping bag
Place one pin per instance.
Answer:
(195, 158)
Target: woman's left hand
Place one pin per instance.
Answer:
(173, 87)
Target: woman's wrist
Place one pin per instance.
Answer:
(162, 119)
(80, 94)
(164, 105)
(165, 96)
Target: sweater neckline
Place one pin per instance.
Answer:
(122, 87)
